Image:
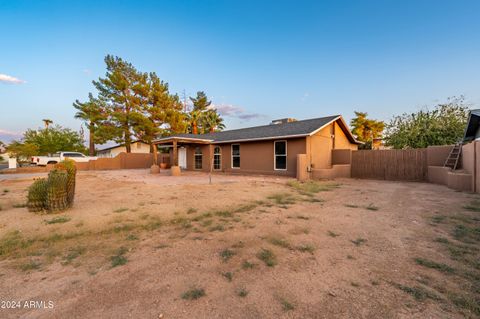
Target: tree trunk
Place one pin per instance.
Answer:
(212, 129)
(127, 140)
(153, 148)
(195, 128)
(91, 141)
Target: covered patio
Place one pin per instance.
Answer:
(187, 153)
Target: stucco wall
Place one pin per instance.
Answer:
(136, 147)
(455, 180)
(436, 155)
(468, 157)
(321, 144)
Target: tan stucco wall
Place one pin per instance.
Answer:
(255, 157)
(468, 157)
(321, 144)
(436, 155)
(136, 147)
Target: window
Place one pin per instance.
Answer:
(217, 158)
(235, 155)
(198, 158)
(280, 155)
(73, 155)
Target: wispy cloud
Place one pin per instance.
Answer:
(229, 110)
(87, 71)
(10, 79)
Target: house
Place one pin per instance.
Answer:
(472, 130)
(268, 149)
(136, 147)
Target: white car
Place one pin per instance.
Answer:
(60, 156)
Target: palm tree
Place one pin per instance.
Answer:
(92, 113)
(47, 122)
(195, 118)
(212, 121)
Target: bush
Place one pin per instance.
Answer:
(37, 195)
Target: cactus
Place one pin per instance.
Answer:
(70, 168)
(37, 195)
(57, 197)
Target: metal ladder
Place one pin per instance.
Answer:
(454, 156)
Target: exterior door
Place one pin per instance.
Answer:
(182, 157)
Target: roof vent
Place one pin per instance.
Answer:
(283, 121)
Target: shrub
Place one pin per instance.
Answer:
(37, 195)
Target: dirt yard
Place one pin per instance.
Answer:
(142, 246)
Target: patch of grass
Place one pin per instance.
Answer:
(466, 234)
(434, 265)
(73, 253)
(351, 205)
(286, 305)
(152, 224)
(207, 223)
(132, 237)
(359, 241)
(350, 257)
(224, 213)
(302, 217)
(267, 256)
(278, 241)
(306, 248)
(191, 210)
(228, 275)
(332, 234)
(242, 292)
(375, 282)
(312, 187)
(193, 294)
(120, 210)
(246, 208)
(226, 254)
(437, 219)
(31, 265)
(442, 240)
(79, 224)
(58, 220)
(372, 207)
(282, 199)
(247, 265)
(474, 206)
(218, 227)
(417, 292)
(119, 259)
(21, 205)
(299, 230)
(465, 302)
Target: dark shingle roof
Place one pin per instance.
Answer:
(473, 125)
(290, 129)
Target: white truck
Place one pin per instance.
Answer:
(60, 156)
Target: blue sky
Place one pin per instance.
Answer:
(257, 60)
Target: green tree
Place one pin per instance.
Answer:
(94, 113)
(366, 129)
(200, 102)
(212, 122)
(120, 89)
(443, 125)
(54, 139)
(22, 151)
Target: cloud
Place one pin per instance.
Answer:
(10, 79)
(87, 71)
(235, 111)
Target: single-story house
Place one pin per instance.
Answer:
(268, 149)
(136, 147)
(472, 130)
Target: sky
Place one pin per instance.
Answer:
(257, 60)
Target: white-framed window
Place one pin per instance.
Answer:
(198, 158)
(280, 148)
(217, 158)
(235, 155)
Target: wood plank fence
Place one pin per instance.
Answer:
(405, 165)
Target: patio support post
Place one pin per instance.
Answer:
(175, 153)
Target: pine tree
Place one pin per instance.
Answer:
(119, 89)
(94, 114)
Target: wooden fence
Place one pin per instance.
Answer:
(406, 165)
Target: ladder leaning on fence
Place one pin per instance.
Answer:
(454, 156)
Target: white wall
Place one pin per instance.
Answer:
(136, 147)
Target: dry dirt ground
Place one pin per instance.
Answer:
(142, 246)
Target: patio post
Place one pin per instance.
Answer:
(175, 153)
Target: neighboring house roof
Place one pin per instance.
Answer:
(473, 125)
(273, 131)
(119, 145)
